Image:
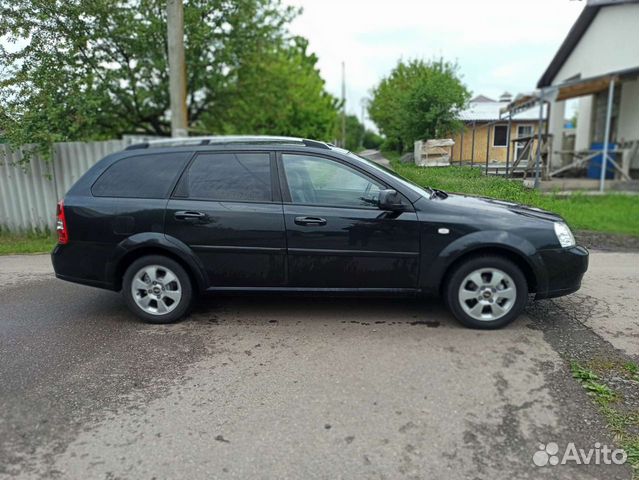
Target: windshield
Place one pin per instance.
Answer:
(424, 192)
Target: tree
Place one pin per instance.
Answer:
(354, 133)
(418, 100)
(371, 140)
(276, 91)
(94, 69)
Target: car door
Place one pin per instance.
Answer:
(336, 234)
(227, 209)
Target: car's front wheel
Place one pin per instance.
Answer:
(486, 292)
(157, 289)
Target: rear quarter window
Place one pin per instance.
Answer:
(141, 176)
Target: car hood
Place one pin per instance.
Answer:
(491, 206)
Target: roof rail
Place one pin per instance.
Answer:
(316, 144)
(228, 140)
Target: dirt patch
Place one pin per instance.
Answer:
(607, 241)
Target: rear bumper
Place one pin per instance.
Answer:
(78, 265)
(84, 281)
(565, 268)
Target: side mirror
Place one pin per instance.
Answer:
(390, 200)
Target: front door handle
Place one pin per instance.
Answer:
(189, 215)
(310, 221)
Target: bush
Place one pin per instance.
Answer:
(372, 140)
(391, 145)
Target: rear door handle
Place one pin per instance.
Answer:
(189, 215)
(310, 221)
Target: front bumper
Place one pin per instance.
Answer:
(565, 268)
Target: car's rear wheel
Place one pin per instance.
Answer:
(486, 292)
(157, 289)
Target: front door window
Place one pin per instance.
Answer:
(320, 181)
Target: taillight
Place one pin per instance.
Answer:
(61, 224)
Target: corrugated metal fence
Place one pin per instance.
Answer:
(29, 192)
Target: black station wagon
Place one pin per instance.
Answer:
(164, 221)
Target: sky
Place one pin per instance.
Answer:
(500, 45)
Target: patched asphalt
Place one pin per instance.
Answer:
(289, 387)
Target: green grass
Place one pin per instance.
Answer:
(622, 423)
(633, 370)
(29, 243)
(590, 381)
(613, 213)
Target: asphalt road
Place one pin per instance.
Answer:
(281, 387)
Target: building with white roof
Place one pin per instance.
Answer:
(486, 139)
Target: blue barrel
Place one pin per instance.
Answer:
(594, 169)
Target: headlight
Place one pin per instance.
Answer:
(564, 235)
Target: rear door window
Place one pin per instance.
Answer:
(230, 176)
(141, 176)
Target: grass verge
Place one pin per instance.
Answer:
(30, 243)
(613, 213)
(622, 419)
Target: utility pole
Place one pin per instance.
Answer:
(177, 67)
(343, 105)
(539, 140)
(606, 145)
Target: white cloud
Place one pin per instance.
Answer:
(499, 44)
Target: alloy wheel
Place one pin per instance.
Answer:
(156, 290)
(487, 294)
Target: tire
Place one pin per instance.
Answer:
(498, 300)
(157, 289)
